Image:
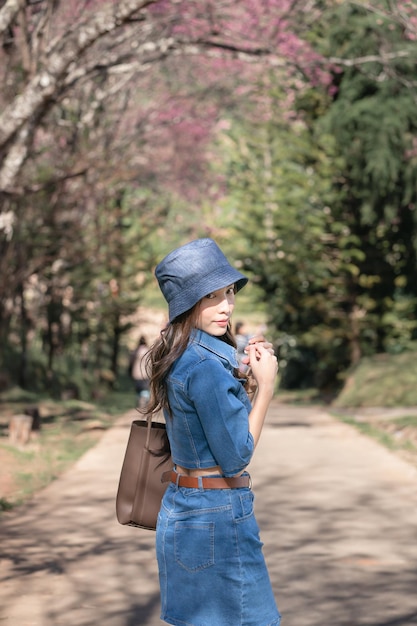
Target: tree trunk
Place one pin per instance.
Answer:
(23, 365)
(355, 346)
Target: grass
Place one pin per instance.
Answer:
(386, 381)
(398, 434)
(406, 421)
(373, 430)
(383, 380)
(69, 429)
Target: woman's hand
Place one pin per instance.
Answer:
(264, 368)
(263, 364)
(258, 340)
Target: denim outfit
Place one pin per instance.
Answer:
(211, 568)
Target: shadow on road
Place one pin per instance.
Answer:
(337, 513)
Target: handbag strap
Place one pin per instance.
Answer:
(148, 431)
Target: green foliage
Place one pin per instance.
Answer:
(380, 434)
(373, 121)
(381, 380)
(326, 204)
(319, 209)
(79, 278)
(5, 505)
(289, 242)
(323, 219)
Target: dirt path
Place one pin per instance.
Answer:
(338, 515)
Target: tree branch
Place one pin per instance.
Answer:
(41, 89)
(8, 14)
(370, 58)
(37, 97)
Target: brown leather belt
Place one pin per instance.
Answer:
(206, 482)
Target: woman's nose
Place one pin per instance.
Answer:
(225, 304)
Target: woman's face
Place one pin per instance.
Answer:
(214, 311)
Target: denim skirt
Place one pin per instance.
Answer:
(212, 571)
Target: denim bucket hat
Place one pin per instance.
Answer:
(191, 272)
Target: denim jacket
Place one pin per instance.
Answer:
(208, 424)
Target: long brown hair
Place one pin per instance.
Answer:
(170, 345)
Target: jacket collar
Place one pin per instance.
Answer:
(215, 345)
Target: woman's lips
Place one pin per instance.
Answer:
(222, 323)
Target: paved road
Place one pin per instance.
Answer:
(338, 516)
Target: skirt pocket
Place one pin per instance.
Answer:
(194, 545)
(243, 505)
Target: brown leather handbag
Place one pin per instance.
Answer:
(141, 489)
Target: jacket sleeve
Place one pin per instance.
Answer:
(222, 408)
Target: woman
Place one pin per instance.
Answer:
(211, 567)
(137, 367)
